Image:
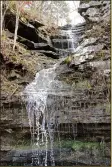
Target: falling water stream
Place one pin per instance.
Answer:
(36, 96)
(51, 106)
(67, 41)
(41, 122)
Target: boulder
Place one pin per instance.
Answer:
(87, 47)
(84, 6)
(92, 12)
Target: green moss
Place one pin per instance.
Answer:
(71, 144)
(83, 85)
(67, 60)
(21, 145)
(65, 143)
(105, 106)
(100, 54)
(77, 145)
(23, 19)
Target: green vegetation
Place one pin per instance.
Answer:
(100, 55)
(72, 144)
(77, 145)
(105, 106)
(23, 144)
(83, 85)
(68, 60)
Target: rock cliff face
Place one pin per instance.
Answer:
(30, 35)
(88, 72)
(17, 70)
(68, 38)
(88, 75)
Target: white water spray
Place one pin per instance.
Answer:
(36, 97)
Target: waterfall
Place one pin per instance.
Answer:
(71, 36)
(36, 97)
(68, 39)
(43, 121)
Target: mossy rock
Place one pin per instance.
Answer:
(68, 60)
(83, 85)
(78, 145)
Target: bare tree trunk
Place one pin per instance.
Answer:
(41, 9)
(50, 14)
(6, 3)
(1, 18)
(16, 29)
(18, 9)
(57, 18)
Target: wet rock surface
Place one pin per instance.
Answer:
(68, 38)
(87, 73)
(68, 157)
(89, 76)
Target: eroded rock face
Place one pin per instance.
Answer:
(80, 156)
(26, 30)
(68, 38)
(16, 74)
(30, 35)
(88, 5)
(95, 11)
(88, 76)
